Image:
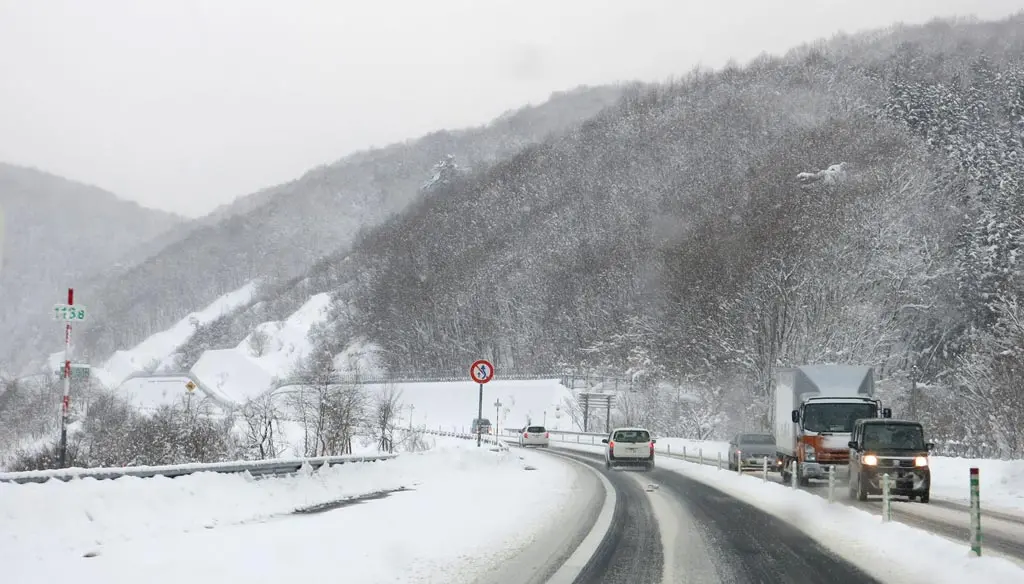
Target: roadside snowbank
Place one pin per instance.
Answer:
(1001, 481)
(456, 520)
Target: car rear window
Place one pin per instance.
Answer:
(535, 429)
(632, 436)
(757, 439)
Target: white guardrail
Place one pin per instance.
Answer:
(594, 439)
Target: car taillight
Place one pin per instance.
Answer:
(652, 448)
(526, 435)
(611, 444)
(547, 434)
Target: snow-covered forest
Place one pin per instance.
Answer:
(858, 200)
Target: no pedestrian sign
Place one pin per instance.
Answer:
(482, 371)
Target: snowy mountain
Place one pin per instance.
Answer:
(278, 233)
(855, 201)
(59, 232)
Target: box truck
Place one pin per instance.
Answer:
(815, 409)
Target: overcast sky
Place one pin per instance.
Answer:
(186, 104)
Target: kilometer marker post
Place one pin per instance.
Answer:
(66, 401)
(481, 371)
(975, 513)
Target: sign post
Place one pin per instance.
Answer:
(68, 313)
(497, 417)
(975, 513)
(481, 372)
(190, 387)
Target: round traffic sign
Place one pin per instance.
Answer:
(481, 371)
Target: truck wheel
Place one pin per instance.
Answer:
(926, 496)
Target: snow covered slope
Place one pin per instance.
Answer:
(228, 528)
(452, 406)
(156, 352)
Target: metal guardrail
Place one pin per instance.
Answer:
(489, 438)
(256, 468)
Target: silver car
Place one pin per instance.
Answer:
(750, 450)
(534, 436)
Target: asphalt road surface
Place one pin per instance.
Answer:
(669, 529)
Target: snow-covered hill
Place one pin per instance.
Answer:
(146, 375)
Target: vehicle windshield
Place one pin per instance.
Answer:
(893, 436)
(836, 417)
(484, 422)
(535, 429)
(757, 439)
(631, 436)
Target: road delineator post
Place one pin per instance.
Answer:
(975, 513)
(831, 483)
(886, 499)
(764, 469)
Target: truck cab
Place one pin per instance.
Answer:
(893, 447)
(816, 407)
(826, 425)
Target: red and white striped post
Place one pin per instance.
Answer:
(66, 402)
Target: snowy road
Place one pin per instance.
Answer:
(684, 531)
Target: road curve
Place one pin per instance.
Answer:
(697, 534)
(631, 551)
(551, 549)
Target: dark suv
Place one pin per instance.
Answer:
(896, 447)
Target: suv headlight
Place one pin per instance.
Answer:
(921, 461)
(869, 460)
(809, 452)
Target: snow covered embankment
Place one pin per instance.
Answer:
(455, 520)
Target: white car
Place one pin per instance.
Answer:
(633, 447)
(534, 436)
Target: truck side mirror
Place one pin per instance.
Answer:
(929, 445)
(886, 412)
(852, 444)
(604, 441)
(795, 416)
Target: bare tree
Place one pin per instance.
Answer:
(386, 407)
(258, 342)
(261, 418)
